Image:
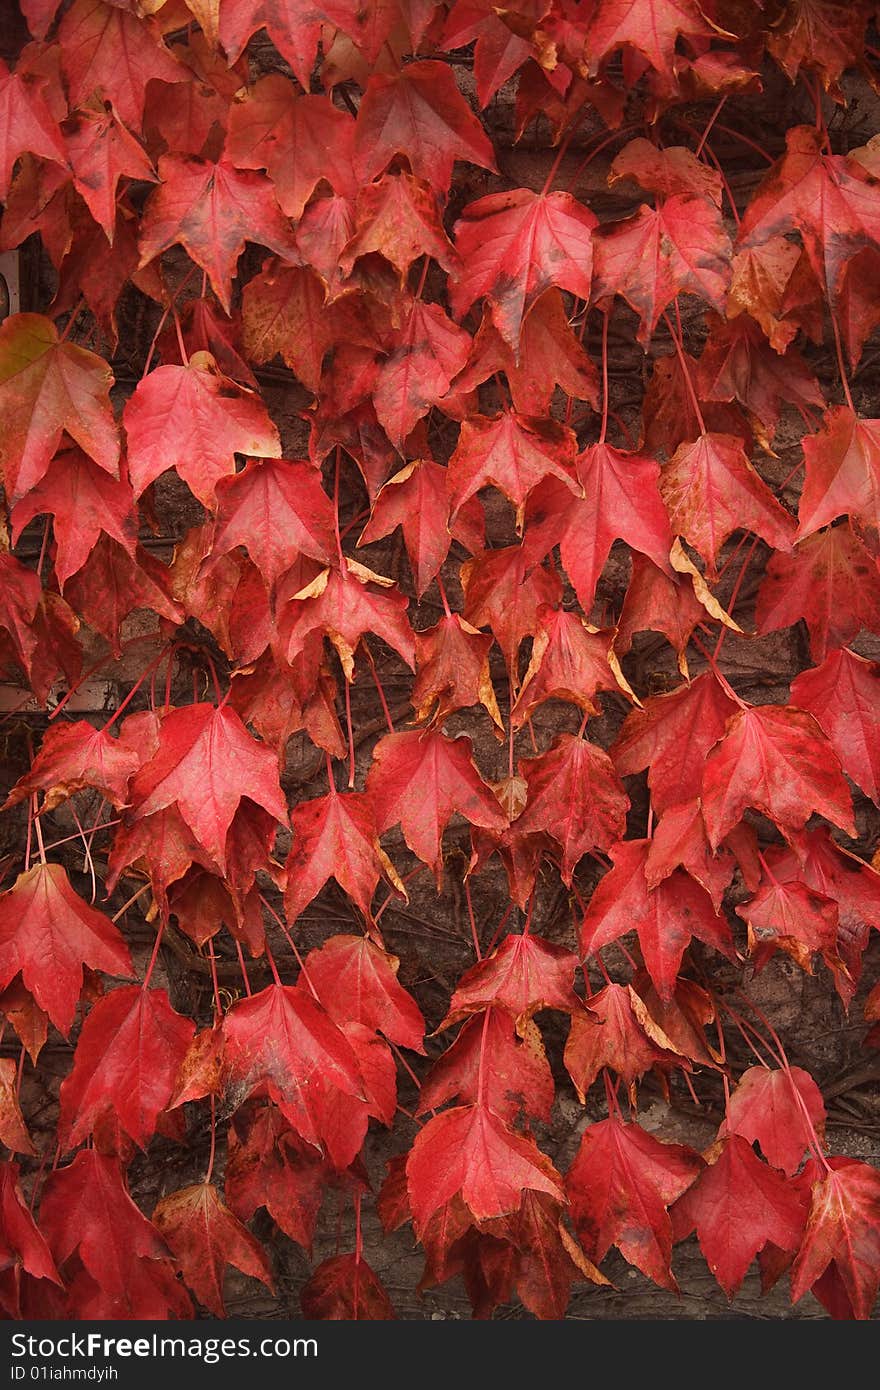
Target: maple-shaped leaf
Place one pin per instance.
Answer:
(514, 246)
(550, 1259)
(680, 841)
(127, 1058)
(277, 510)
(511, 453)
(737, 363)
(616, 1031)
(418, 112)
(109, 52)
(195, 420)
(344, 1287)
(737, 1205)
(650, 27)
(29, 1021)
(205, 764)
(830, 580)
(843, 1227)
(768, 1107)
(619, 1187)
(575, 797)
(27, 125)
(656, 603)
(335, 836)
(620, 500)
(665, 917)
(47, 387)
(829, 199)
(711, 490)
(669, 409)
(502, 591)
(471, 1153)
(842, 471)
(670, 171)
(516, 1073)
(48, 933)
(357, 982)
(282, 1040)
(204, 1237)
(84, 501)
(294, 29)
(758, 286)
(815, 860)
(843, 696)
(398, 217)
(420, 779)
(793, 918)
(101, 152)
(211, 210)
(75, 755)
(569, 661)
(269, 1166)
(777, 760)
(86, 1208)
(522, 976)
(22, 1245)
(113, 583)
(658, 253)
(549, 355)
(345, 604)
(284, 311)
(298, 140)
(416, 499)
(670, 736)
(429, 351)
(452, 672)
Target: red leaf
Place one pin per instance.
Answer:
(842, 471)
(27, 125)
(470, 1152)
(206, 762)
(844, 1227)
(211, 210)
(671, 736)
(570, 661)
(84, 502)
(420, 779)
(429, 352)
(293, 28)
(268, 1166)
(791, 918)
(281, 1040)
(420, 113)
(711, 490)
(48, 933)
(737, 1205)
(107, 51)
(298, 140)
(13, 1130)
(356, 981)
(46, 387)
(503, 592)
(196, 420)
(656, 254)
(344, 605)
(649, 26)
(680, 841)
(575, 797)
(277, 511)
(621, 501)
(344, 1287)
(843, 697)
(335, 836)
(517, 1074)
(777, 760)
(522, 976)
(101, 152)
(665, 917)
(127, 1058)
(73, 756)
(22, 1243)
(452, 672)
(204, 1237)
(416, 499)
(398, 216)
(620, 1184)
(512, 454)
(616, 1031)
(514, 246)
(112, 584)
(831, 581)
(765, 1108)
(85, 1207)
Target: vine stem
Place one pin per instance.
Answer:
(481, 1074)
(604, 430)
(155, 955)
(470, 907)
(676, 340)
(709, 124)
(838, 347)
(213, 1140)
(733, 597)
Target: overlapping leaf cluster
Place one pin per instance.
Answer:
(444, 339)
